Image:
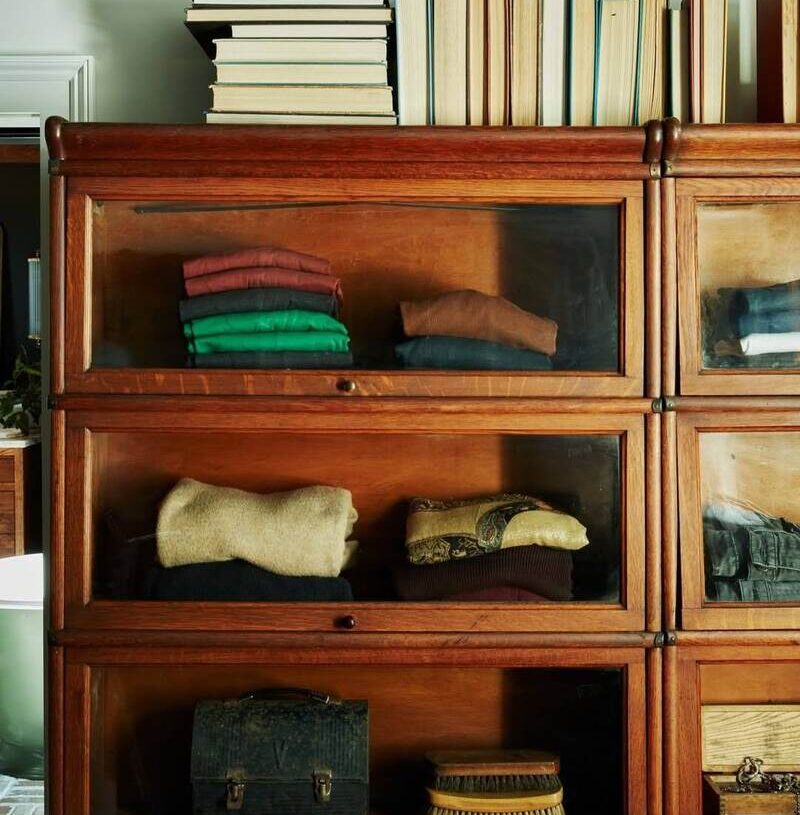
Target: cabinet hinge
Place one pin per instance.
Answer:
(52, 402)
(664, 639)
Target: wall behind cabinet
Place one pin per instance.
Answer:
(148, 66)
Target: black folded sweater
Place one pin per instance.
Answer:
(238, 581)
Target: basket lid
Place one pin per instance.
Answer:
(493, 762)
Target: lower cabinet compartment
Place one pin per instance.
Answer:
(136, 722)
(723, 704)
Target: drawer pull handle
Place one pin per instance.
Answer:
(348, 622)
(346, 385)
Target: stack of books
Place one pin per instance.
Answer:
(531, 62)
(719, 38)
(304, 62)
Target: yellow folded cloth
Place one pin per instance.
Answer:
(302, 533)
(520, 803)
(437, 531)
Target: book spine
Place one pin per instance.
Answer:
(570, 57)
(636, 113)
(431, 84)
(769, 38)
(598, 19)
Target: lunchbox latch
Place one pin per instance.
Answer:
(323, 786)
(234, 798)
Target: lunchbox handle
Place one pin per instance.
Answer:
(290, 693)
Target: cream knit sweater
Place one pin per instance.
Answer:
(302, 533)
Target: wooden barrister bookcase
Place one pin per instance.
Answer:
(629, 238)
(565, 221)
(730, 198)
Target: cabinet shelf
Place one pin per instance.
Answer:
(590, 465)
(588, 707)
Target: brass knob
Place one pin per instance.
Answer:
(346, 385)
(347, 622)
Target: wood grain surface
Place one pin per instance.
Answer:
(769, 732)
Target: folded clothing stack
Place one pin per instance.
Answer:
(218, 543)
(750, 556)
(504, 547)
(469, 330)
(263, 308)
(766, 320)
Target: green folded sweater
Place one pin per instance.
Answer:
(271, 341)
(253, 322)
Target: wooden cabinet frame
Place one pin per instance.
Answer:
(229, 164)
(695, 378)
(684, 663)
(706, 416)
(73, 764)
(732, 164)
(71, 552)
(80, 377)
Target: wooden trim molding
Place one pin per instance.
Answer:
(730, 150)
(383, 148)
(72, 76)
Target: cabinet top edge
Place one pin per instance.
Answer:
(97, 142)
(709, 143)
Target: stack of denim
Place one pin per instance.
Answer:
(750, 556)
(766, 320)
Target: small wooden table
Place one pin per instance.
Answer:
(20, 496)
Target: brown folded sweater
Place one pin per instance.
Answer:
(479, 316)
(265, 256)
(539, 569)
(499, 594)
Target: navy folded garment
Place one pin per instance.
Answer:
(764, 299)
(772, 322)
(239, 301)
(238, 581)
(272, 359)
(465, 354)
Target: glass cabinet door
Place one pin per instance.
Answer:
(739, 482)
(131, 751)
(539, 514)
(532, 294)
(739, 287)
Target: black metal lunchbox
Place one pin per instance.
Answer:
(284, 751)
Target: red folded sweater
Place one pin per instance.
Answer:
(264, 277)
(265, 256)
